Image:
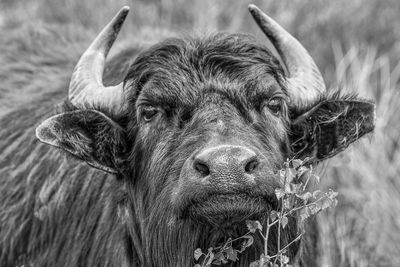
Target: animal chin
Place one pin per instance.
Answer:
(222, 209)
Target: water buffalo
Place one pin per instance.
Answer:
(185, 143)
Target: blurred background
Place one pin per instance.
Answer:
(355, 44)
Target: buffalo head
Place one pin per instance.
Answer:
(198, 129)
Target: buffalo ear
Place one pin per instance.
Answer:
(86, 134)
(330, 127)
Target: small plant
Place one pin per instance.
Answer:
(224, 254)
(295, 200)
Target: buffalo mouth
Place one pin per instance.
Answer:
(220, 209)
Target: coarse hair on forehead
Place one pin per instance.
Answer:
(222, 57)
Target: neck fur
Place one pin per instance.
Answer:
(161, 239)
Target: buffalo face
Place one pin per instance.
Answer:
(199, 128)
(214, 129)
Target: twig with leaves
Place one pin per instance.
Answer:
(295, 201)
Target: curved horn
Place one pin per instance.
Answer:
(86, 89)
(305, 82)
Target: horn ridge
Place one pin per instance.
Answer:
(86, 88)
(105, 39)
(305, 83)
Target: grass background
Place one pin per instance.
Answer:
(355, 44)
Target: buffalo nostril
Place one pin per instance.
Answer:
(251, 165)
(201, 168)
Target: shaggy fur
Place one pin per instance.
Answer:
(54, 211)
(59, 212)
(199, 84)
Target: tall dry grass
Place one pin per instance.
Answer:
(356, 45)
(364, 229)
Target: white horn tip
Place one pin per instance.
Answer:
(252, 7)
(125, 9)
(123, 12)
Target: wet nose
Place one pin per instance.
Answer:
(227, 163)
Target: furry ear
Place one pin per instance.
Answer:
(330, 127)
(86, 134)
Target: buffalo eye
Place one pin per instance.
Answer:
(275, 105)
(148, 112)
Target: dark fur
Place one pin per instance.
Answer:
(197, 82)
(56, 212)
